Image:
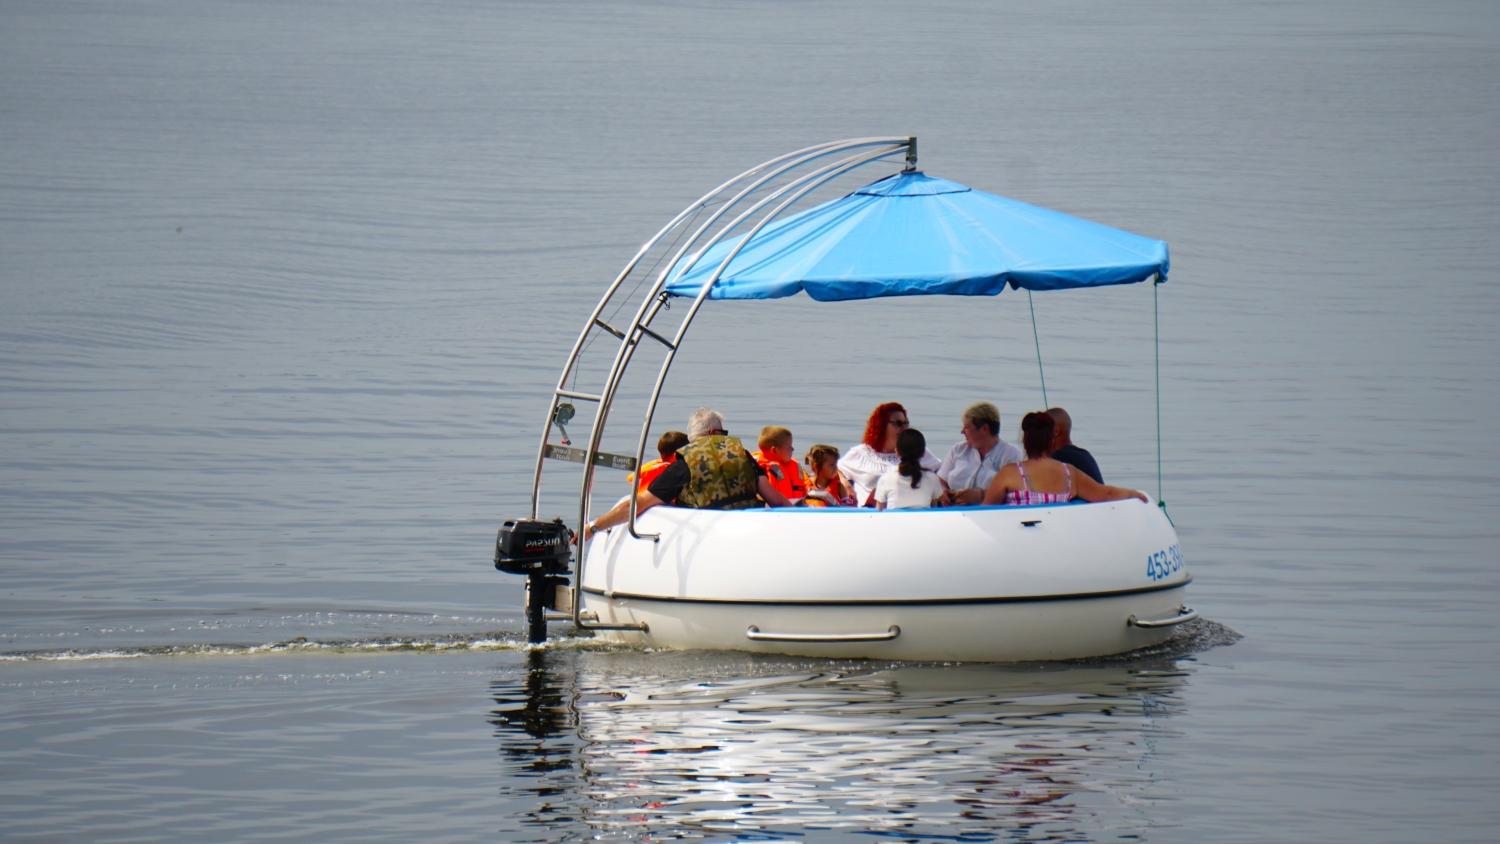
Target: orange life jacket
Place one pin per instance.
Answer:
(785, 476)
(837, 488)
(650, 471)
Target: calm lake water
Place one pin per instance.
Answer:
(283, 287)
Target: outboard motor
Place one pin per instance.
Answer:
(541, 551)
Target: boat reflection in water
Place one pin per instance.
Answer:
(685, 745)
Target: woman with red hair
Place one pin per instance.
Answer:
(866, 462)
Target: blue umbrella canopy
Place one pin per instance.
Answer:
(914, 235)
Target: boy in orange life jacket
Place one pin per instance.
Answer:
(667, 447)
(775, 456)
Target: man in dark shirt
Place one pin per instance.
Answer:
(705, 426)
(1063, 449)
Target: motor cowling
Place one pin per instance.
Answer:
(541, 551)
(532, 546)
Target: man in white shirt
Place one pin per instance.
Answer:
(973, 463)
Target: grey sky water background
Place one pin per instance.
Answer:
(283, 287)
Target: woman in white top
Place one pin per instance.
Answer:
(863, 465)
(908, 486)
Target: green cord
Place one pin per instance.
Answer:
(1035, 337)
(1156, 347)
(1156, 344)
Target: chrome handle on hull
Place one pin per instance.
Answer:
(1183, 614)
(755, 633)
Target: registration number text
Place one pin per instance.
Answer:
(1164, 564)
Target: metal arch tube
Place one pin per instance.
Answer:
(829, 170)
(623, 354)
(809, 180)
(562, 380)
(801, 158)
(642, 318)
(897, 145)
(751, 188)
(615, 285)
(802, 186)
(651, 302)
(807, 184)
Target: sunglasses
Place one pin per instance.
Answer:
(900, 423)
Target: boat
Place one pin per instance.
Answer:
(972, 584)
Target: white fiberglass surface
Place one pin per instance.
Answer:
(939, 553)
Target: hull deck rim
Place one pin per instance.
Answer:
(895, 602)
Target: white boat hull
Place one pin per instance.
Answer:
(988, 584)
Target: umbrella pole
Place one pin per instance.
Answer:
(1038, 340)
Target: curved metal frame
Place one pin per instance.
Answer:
(865, 151)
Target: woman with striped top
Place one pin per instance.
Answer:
(1041, 480)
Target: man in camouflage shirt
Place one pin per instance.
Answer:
(712, 472)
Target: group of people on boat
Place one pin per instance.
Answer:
(891, 468)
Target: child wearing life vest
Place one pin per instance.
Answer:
(823, 479)
(775, 456)
(667, 447)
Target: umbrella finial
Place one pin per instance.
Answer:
(911, 155)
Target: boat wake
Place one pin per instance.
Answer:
(456, 643)
(1190, 638)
